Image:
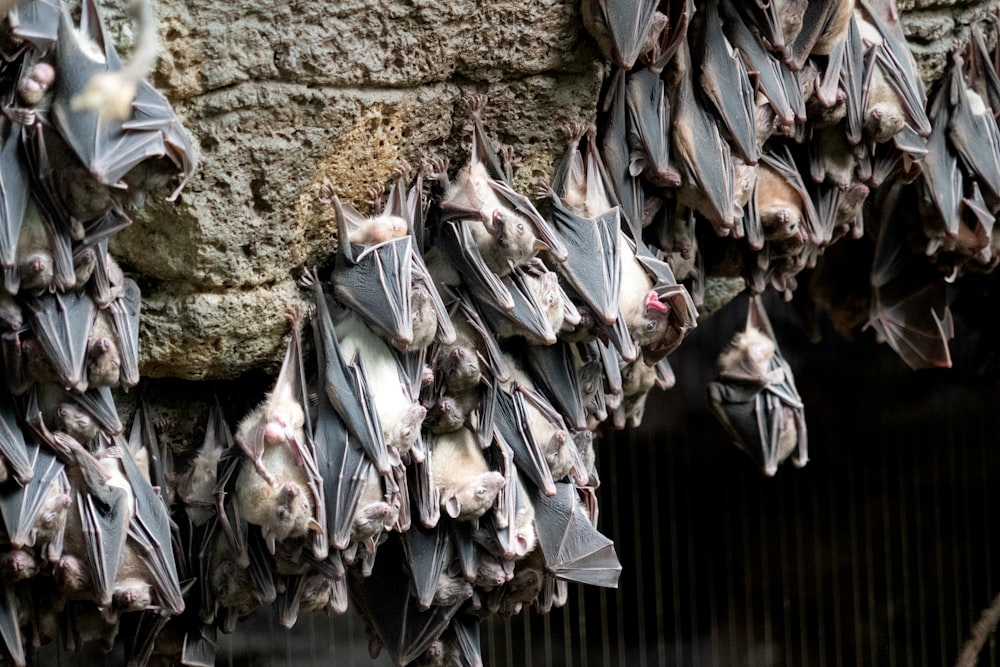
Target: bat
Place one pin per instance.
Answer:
(972, 131)
(34, 21)
(623, 30)
(677, 16)
(428, 552)
(34, 270)
(940, 177)
(755, 399)
(513, 431)
(34, 514)
(62, 324)
(467, 488)
(783, 204)
(124, 313)
(391, 610)
(10, 626)
(703, 157)
(587, 224)
(622, 187)
(658, 311)
(505, 226)
(649, 128)
(196, 487)
(375, 515)
(279, 490)
(539, 306)
(572, 549)
(909, 308)
(895, 83)
(725, 83)
(15, 194)
(345, 385)
(554, 370)
(400, 416)
(823, 26)
(109, 147)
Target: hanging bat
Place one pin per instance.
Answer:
(34, 270)
(514, 432)
(755, 399)
(278, 488)
(649, 128)
(909, 308)
(623, 30)
(391, 610)
(35, 21)
(587, 229)
(15, 194)
(10, 626)
(538, 306)
(196, 487)
(783, 204)
(703, 157)
(399, 414)
(972, 131)
(505, 226)
(34, 514)
(62, 324)
(124, 316)
(466, 486)
(345, 385)
(823, 25)
(940, 177)
(725, 83)
(109, 147)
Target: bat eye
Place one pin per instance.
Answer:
(650, 327)
(520, 228)
(282, 512)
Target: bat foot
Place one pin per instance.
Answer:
(475, 103)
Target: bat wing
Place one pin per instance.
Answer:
(527, 318)
(62, 324)
(427, 552)
(15, 192)
(36, 21)
(815, 23)
(466, 551)
(105, 528)
(125, 322)
(377, 287)
(286, 605)
(555, 372)
(100, 403)
(488, 349)
(344, 469)
(140, 635)
(387, 602)
(915, 321)
(783, 163)
(523, 205)
(20, 506)
(230, 522)
(12, 445)
(512, 430)
(852, 78)
(573, 549)
(726, 84)
(149, 528)
(10, 626)
(346, 388)
(466, 629)
(678, 15)
(151, 112)
(990, 82)
(200, 647)
(456, 243)
(761, 16)
(261, 574)
(597, 282)
(424, 492)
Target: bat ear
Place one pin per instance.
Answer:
(541, 246)
(315, 527)
(452, 506)
(521, 546)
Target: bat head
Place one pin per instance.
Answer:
(35, 84)
(132, 594)
(76, 422)
(18, 565)
(459, 367)
(515, 236)
(36, 270)
(475, 497)
(293, 513)
(424, 317)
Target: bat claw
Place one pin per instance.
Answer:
(475, 103)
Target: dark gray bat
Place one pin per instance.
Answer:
(106, 148)
(972, 131)
(392, 611)
(901, 91)
(554, 372)
(13, 449)
(428, 554)
(678, 14)
(763, 19)
(540, 306)
(62, 324)
(623, 187)
(761, 61)
(125, 324)
(513, 431)
(623, 30)
(10, 626)
(703, 157)
(824, 25)
(755, 399)
(573, 550)
(14, 196)
(940, 177)
(34, 515)
(346, 387)
(783, 204)
(649, 128)
(725, 82)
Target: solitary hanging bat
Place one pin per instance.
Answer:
(755, 399)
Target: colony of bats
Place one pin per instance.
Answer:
(435, 464)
